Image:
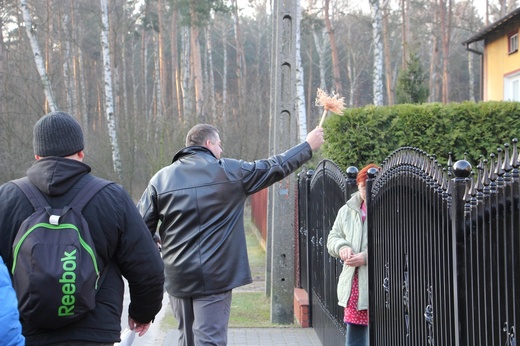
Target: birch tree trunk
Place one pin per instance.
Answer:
(434, 54)
(300, 93)
(48, 47)
(76, 74)
(67, 61)
(321, 48)
(377, 19)
(161, 60)
(224, 72)
(387, 58)
(351, 75)
(125, 108)
(134, 68)
(158, 81)
(109, 98)
(40, 65)
(83, 90)
(486, 22)
(240, 60)
(404, 45)
(471, 76)
(445, 18)
(144, 75)
(185, 72)
(503, 8)
(408, 35)
(334, 50)
(196, 65)
(115, 56)
(176, 75)
(211, 76)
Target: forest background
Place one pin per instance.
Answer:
(139, 74)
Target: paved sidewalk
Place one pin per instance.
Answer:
(157, 336)
(261, 337)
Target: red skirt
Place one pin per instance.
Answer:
(352, 314)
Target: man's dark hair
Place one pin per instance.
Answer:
(200, 133)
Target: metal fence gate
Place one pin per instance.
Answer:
(321, 193)
(443, 249)
(411, 264)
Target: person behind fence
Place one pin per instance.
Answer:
(11, 329)
(122, 244)
(199, 200)
(348, 241)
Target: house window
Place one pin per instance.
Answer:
(513, 42)
(512, 87)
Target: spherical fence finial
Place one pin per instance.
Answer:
(372, 172)
(352, 172)
(462, 169)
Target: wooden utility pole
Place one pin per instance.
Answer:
(283, 135)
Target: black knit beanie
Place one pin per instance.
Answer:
(57, 134)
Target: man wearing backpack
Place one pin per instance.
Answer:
(122, 244)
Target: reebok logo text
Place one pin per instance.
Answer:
(68, 279)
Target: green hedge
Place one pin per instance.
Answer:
(369, 134)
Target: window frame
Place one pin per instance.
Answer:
(512, 81)
(512, 42)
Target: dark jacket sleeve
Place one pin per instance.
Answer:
(141, 264)
(14, 209)
(147, 207)
(263, 173)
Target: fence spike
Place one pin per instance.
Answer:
(492, 173)
(507, 163)
(514, 155)
(485, 177)
(499, 171)
(480, 178)
(470, 185)
(514, 159)
(440, 176)
(473, 190)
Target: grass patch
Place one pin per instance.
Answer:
(250, 310)
(255, 253)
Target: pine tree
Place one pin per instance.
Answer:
(411, 83)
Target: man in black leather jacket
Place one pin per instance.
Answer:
(118, 231)
(199, 201)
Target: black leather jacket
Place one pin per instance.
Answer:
(199, 201)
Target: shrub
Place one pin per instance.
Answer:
(370, 134)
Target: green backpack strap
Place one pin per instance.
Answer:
(87, 192)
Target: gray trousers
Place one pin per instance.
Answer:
(202, 320)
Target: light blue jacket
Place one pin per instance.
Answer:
(10, 327)
(349, 230)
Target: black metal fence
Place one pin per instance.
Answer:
(443, 241)
(321, 193)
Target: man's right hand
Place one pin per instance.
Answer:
(315, 138)
(139, 328)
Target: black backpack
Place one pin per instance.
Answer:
(55, 269)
